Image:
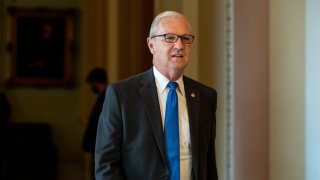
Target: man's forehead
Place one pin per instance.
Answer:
(173, 23)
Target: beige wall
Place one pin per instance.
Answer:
(250, 90)
(269, 90)
(287, 90)
(211, 67)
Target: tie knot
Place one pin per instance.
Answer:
(173, 85)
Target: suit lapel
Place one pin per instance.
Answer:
(149, 95)
(193, 104)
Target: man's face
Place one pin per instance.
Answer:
(170, 56)
(95, 87)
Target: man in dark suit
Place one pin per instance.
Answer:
(131, 141)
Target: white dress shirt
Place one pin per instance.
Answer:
(184, 130)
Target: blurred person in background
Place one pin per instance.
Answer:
(97, 79)
(5, 109)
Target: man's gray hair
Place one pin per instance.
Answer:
(159, 17)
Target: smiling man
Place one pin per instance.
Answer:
(159, 124)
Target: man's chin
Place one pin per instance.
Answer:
(179, 67)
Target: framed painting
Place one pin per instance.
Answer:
(41, 47)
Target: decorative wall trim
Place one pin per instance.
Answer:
(229, 85)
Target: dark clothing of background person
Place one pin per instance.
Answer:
(5, 109)
(97, 79)
(89, 138)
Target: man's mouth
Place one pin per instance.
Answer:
(177, 55)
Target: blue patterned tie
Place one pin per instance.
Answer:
(171, 131)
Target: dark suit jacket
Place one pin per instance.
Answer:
(130, 139)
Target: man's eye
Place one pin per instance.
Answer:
(170, 38)
(185, 38)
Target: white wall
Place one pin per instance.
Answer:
(312, 90)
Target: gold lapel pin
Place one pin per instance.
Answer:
(193, 95)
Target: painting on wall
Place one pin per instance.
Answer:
(41, 47)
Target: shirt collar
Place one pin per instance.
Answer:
(162, 81)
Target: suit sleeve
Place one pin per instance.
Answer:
(212, 173)
(108, 165)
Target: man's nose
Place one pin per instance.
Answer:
(179, 44)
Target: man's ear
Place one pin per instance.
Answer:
(150, 45)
